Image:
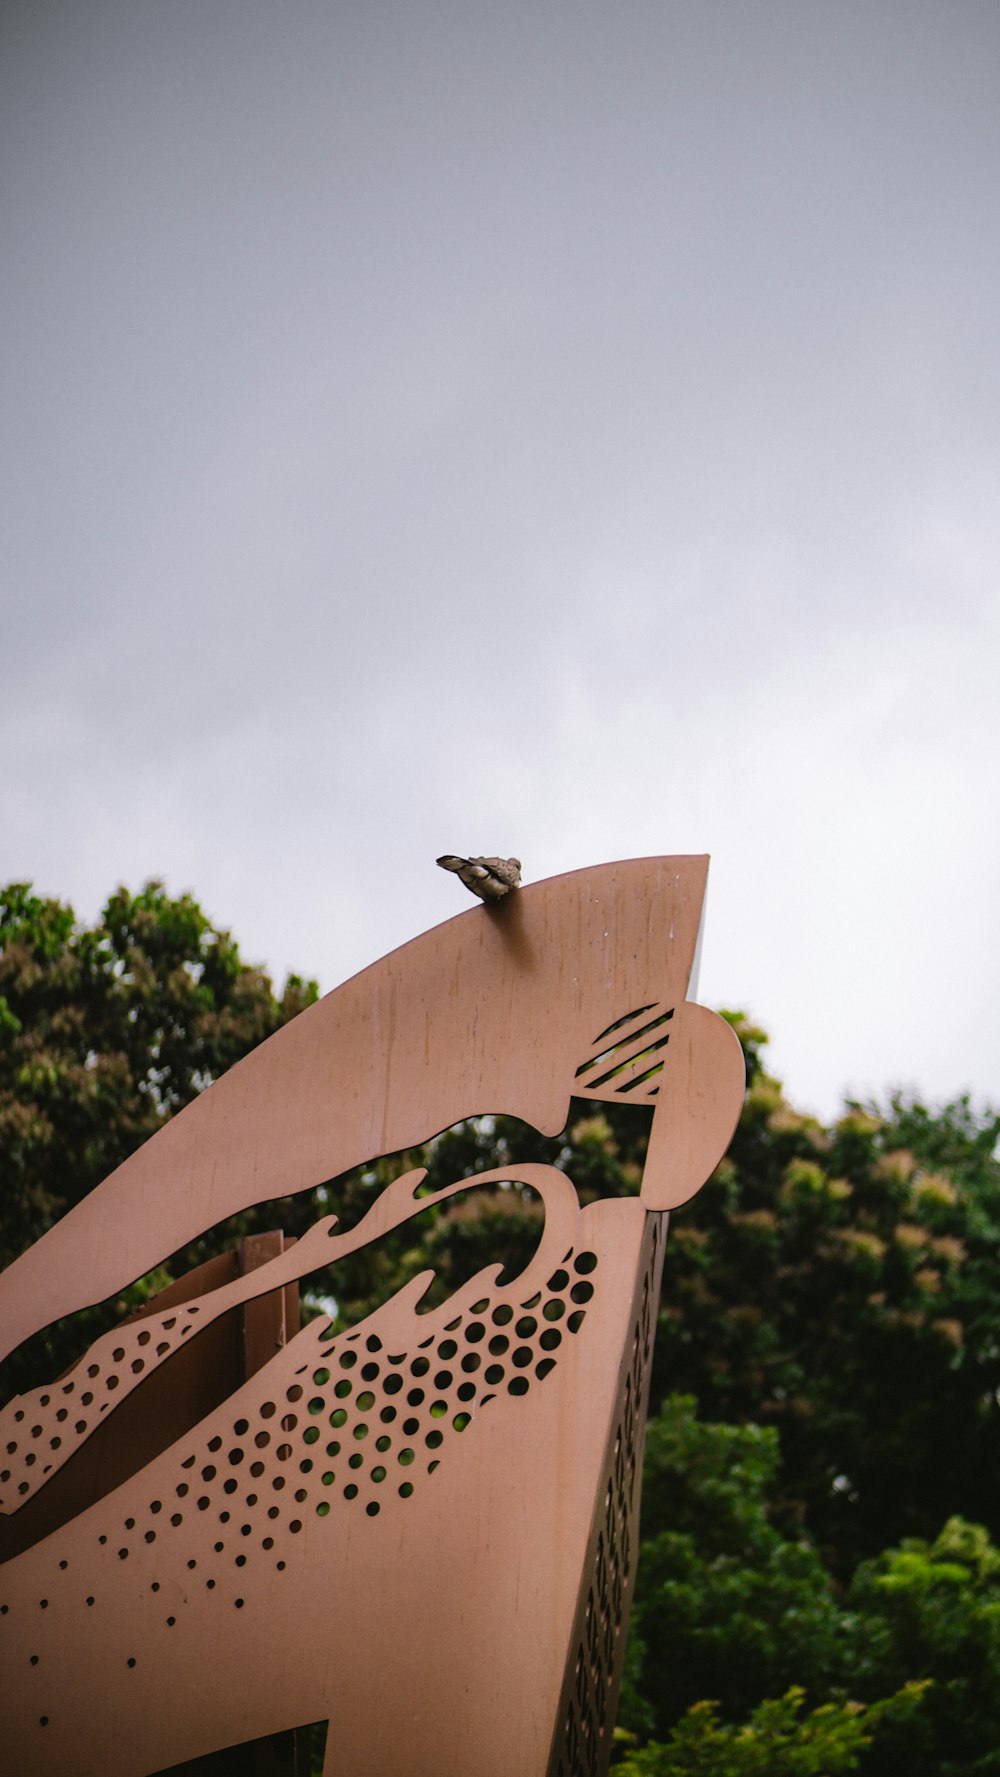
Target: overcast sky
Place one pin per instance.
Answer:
(555, 428)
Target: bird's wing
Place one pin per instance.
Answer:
(507, 869)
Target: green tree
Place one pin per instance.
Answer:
(721, 1592)
(843, 1285)
(932, 1610)
(776, 1740)
(728, 1606)
(106, 1031)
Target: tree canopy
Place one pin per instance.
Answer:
(842, 1284)
(819, 1581)
(106, 1031)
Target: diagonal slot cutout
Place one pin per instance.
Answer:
(624, 1055)
(640, 1079)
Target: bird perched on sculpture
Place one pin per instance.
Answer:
(489, 878)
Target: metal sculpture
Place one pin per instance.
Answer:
(424, 1530)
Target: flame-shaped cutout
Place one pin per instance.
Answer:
(39, 1431)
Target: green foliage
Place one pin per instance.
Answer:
(106, 1032)
(842, 1285)
(933, 1609)
(776, 1740)
(720, 1589)
(727, 1605)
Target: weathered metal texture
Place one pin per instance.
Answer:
(56, 1462)
(424, 1530)
(592, 1675)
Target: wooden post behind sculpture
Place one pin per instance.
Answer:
(424, 1530)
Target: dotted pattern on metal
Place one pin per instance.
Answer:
(589, 1703)
(492, 1011)
(364, 1427)
(404, 1510)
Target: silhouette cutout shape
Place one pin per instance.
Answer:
(424, 1530)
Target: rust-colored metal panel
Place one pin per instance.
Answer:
(422, 1531)
(45, 1488)
(593, 1672)
(493, 1011)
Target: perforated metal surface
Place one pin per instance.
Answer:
(422, 1531)
(582, 1743)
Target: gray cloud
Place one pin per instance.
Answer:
(549, 430)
